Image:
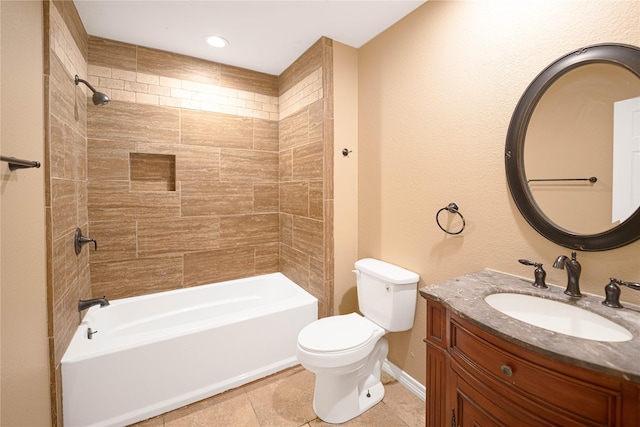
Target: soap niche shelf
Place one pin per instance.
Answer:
(152, 172)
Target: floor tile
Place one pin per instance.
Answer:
(405, 404)
(285, 399)
(288, 401)
(232, 408)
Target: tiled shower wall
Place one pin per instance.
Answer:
(65, 163)
(183, 171)
(196, 174)
(306, 174)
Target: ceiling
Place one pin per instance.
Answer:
(265, 36)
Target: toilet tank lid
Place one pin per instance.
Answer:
(388, 272)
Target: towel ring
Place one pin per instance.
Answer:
(451, 208)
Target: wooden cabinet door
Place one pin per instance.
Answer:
(437, 362)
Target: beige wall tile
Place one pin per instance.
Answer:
(265, 135)
(134, 123)
(65, 321)
(286, 229)
(285, 165)
(59, 137)
(267, 258)
(64, 206)
(316, 198)
(317, 125)
(308, 236)
(82, 194)
(303, 66)
(177, 236)
(215, 129)
(121, 279)
(249, 230)
(219, 265)
(67, 100)
(217, 198)
(112, 200)
(308, 161)
(113, 54)
(108, 159)
(266, 198)
(295, 265)
(61, 270)
(294, 198)
(329, 242)
(152, 61)
(294, 130)
(251, 165)
(197, 163)
(240, 78)
(316, 278)
(116, 240)
(73, 25)
(75, 165)
(328, 159)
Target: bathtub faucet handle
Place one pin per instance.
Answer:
(80, 241)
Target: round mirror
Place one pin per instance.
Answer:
(573, 149)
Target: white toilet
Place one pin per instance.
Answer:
(346, 352)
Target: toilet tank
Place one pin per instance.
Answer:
(387, 294)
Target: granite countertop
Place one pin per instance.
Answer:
(465, 295)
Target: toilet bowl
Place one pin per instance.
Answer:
(346, 352)
(338, 350)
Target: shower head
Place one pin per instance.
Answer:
(98, 98)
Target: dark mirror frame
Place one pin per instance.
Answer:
(626, 232)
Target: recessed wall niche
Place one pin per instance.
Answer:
(152, 172)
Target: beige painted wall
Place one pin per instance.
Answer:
(436, 93)
(345, 173)
(24, 354)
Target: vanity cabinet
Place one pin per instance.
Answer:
(476, 378)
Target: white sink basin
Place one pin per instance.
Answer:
(558, 317)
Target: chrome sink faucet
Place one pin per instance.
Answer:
(574, 269)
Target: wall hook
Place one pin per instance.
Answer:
(80, 241)
(346, 151)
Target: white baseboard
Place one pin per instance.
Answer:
(405, 379)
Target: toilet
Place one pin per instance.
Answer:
(346, 352)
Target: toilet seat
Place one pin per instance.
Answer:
(337, 334)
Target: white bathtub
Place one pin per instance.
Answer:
(155, 353)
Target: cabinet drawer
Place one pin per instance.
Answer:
(592, 404)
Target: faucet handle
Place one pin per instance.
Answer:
(539, 274)
(632, 285)
(80, 241)
(612, 292)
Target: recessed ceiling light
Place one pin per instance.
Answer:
(216, 41)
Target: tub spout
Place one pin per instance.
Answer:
(83, 304)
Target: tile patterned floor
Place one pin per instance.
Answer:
(285, 400)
